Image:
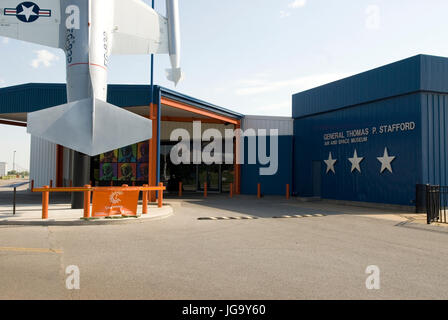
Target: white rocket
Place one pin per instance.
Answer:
(89, 31)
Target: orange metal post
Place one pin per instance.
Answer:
(180, 189)
(160, 199)
(45, 201)
(231, 190)
(205, 189)
(237, 150)
(71, 183)
(87, 195)
(259, 191)
(287, 192)
(145, 201)
(51, 183)
(32, 185)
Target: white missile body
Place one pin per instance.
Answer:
(89, 31)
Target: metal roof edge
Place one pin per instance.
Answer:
(255, 117)
(198, 103)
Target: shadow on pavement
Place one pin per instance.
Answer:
(266, 207)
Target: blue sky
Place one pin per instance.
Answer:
(252, 55)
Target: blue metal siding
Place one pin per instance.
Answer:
(34, 97)
(419, 73)
(270, 185)
(31, 97)
(434, 138)
(392, 80)
(129, 95)
(434, 74)
(370, 185)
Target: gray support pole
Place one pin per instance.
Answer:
(14, 201)
(81, 177)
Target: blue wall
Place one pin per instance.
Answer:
(412, 90)
(270, 185)
(434, 138)
(370, 185)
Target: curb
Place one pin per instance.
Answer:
(90, 222)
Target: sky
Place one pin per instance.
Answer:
(250, 56)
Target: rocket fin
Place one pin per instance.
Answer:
(89, 126)
(138, 29)
(175, 75)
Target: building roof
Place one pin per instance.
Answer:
(415, 74)
(37, 96)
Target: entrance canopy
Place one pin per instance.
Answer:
(17, 101)
(170, 110)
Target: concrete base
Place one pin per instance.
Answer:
(63, 215)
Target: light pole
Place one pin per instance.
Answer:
(14, 161)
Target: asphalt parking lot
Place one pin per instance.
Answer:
(322, 254)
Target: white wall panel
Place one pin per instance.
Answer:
(67, 167)
(42, 162)
(284, 125)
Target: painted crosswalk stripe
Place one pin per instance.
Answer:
(228, 218)
(297, 216)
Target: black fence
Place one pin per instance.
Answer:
(436, 203)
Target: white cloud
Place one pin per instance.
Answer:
(297, 4)
(2, 82)
(284, 14)
(5, 40)
(293, 5)
(263, 84)
(44, 58)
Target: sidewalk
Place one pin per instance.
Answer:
(63, 215)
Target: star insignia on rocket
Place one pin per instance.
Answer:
(386, 161)
(356, 161)
(330, 163)
(27, 12)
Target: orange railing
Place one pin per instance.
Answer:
(146, 190)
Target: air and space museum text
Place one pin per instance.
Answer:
(362, 135)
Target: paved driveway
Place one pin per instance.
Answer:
(182, 257)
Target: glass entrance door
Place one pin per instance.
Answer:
(210, 174)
